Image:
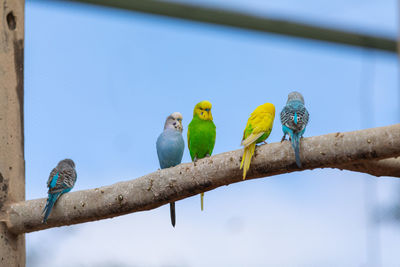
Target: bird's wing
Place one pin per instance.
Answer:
(290, 112)
(305, 115)
(51, 176)
(263, 123)
(68, 178)
(251, 139)
(287, 115)
(258, 124)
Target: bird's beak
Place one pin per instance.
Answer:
(209, 115)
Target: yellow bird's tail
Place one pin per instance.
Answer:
(246, 159)
(202, 201)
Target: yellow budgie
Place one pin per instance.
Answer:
(257, 130)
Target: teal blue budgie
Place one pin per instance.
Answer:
(170, 146)
(61, 180)
(294, 119)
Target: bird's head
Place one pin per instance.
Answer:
(174, 121)
(295, 96)
(67, 162)
(268, 108)
(203, 110)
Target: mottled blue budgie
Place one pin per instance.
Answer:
(170, 146)
(294, 119)
(61, 180)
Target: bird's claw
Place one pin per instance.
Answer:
(255, 151)
(195, 161)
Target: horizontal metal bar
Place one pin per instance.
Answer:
(250, 22)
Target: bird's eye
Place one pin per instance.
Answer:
(207, 109)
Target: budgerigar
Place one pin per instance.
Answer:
(170, 146)
(294, 119)
(201, 134)
(61, 180)
(257, 130)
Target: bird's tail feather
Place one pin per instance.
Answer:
(172, 212)
(246, 158)
(49, 205)
(296, 148)
(202, 201)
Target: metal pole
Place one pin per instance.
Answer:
(12, 164)
(249, 22)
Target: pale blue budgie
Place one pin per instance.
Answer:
(170, 146)
(61, 180)
(294, 119)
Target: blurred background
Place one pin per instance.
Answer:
(100, 82)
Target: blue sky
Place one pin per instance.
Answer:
(100, 82)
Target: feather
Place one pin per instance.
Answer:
(61, 180)
(170, 147)
(246, 159)
(201, 134)
(202, 201)
(296, 148)
(251, 139)
(51, 200)
(258, 128)
(294, 119)
(172, 213)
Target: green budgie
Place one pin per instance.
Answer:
(201, 134)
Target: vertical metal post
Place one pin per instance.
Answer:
(12, 164)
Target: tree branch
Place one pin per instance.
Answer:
(384, 167)
(352, 149)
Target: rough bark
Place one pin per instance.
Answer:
(163, 186)
(384, 167)
(12, 165)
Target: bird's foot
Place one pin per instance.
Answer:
(283, 138)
